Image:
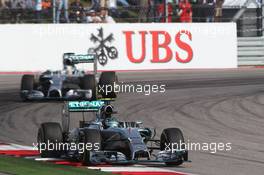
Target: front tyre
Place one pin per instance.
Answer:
(27, 84)
(91, 137)
(171, 136)
(49, 137)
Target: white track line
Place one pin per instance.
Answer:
(14, 147)
(131, 169)
(48, 159)
(136, 168)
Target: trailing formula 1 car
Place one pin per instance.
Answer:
(109, 140)
(68, 84)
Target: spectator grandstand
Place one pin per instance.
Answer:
(80, 11)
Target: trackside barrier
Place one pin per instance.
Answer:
(27, 47)
(251, 51)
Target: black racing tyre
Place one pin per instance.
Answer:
(106, 84)
(91, 136)
(27, 82)
(171, 136)
(89, 82)
(50, 133)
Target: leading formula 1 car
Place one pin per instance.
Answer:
(68, 84)
(113, 141)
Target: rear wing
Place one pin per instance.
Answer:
(70, 59)
(85, 106)
(88, 58)
(88, 106)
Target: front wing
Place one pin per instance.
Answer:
(114, 157)
(35, 95)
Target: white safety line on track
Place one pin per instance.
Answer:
(130, 169)
(15, 147)
(48, 159)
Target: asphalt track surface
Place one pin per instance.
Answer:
(209, 106)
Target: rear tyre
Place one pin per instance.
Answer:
(89, 82)
(171, 136)
(91, 136)
(50, 134)
(106, 84)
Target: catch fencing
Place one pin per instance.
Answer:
(250, 23)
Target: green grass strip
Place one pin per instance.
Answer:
(22, 166)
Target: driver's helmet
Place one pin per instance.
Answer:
(68, 64)
(111, 122)
(106, 111)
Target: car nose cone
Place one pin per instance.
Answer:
(55, 93)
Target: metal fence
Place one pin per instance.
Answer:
(250, 23)
(132, 13)
(250, 51)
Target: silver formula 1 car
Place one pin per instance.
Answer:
(110, 141)
(69, 83)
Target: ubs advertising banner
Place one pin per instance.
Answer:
(120, 46)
